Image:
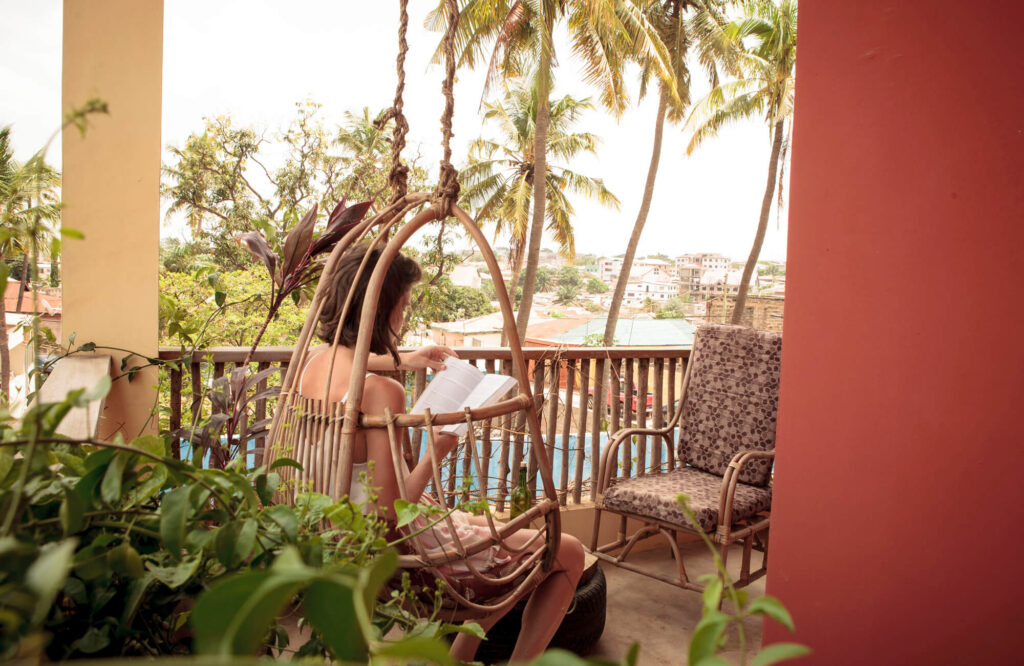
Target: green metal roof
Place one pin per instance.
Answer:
(635, 332)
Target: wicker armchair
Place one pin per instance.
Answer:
(723, 460)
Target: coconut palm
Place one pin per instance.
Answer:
(765, 89)
(368, 150)
(29, 212)
(516, 38)
(498, 182)
(701, 32)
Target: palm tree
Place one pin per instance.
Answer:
(703, 31)
(498, 182)
(602, 32)
(766, 88)
(29, 211)
(368, 151)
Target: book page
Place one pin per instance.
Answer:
(489, 391)
(448, 390)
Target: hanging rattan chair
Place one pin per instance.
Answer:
(320, 434)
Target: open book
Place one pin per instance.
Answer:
(458, 386)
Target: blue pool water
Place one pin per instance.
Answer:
(493, 467)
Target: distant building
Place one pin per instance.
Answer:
(485, 331)
(18, 321)
(609, 268)
(482, 331)
(466, 275)
(688, 278)
(635, 332)
(655, 284)
(707, 261)
(762, 312)
(47, 300)
(719, 282)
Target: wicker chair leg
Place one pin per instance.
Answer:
(748, 545)
(673, 545)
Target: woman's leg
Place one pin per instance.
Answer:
(464, 646)
(550, 601)
(545, 608)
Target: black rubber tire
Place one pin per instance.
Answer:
(580, 629)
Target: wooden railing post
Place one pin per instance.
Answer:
(175, 420)
(570, 377)
(658, 410)
(581, 437)
(595, 431)
(643, 367)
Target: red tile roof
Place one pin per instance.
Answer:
(48, 304)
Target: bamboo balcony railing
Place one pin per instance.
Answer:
(566, 382)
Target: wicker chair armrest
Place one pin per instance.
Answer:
(731, 478)
(743, 457)
(609, 457)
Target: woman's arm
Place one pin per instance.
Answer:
(379, 395)
(430, 356)
(423, 472)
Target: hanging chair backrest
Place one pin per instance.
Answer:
(732, 399)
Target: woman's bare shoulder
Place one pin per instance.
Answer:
(381, 392)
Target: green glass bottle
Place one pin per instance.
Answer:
(522, 498)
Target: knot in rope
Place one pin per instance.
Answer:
(446, 194)
(398, 176)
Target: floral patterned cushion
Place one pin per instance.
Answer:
(655, 496)
(732, 400)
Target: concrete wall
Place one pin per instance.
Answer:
(897, 497)
(113, 49)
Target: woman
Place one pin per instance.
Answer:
(551, 599)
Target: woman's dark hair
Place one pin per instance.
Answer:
(402, 274)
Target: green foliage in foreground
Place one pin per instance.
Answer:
(115, 549)
(710, 634)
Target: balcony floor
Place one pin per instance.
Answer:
(662, 617)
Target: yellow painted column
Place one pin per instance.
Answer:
(113, 49)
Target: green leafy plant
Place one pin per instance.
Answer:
(295, 267)
(710, 633)
(114, 549)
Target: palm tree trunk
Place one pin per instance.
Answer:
(517, 268)
(5, 352)
(540, 169)
(23, 285)
(762, 226)
(638, 228)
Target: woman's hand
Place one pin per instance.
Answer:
(431, 356)
(444, 442)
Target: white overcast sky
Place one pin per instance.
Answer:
(254, 59)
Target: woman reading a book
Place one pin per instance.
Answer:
(551, 599)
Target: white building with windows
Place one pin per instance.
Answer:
(716, 283)
(657, 285)
(708, 261)
(608, 269)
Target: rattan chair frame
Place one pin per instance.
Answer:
(320, 434)
(749, 533)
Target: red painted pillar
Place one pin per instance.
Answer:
(899, 492)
